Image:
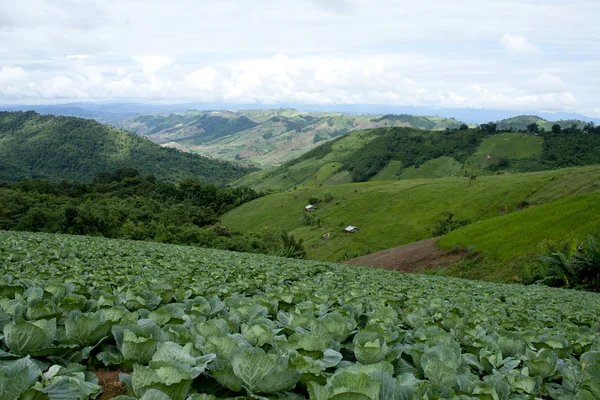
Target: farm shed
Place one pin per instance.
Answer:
(310, 208)
(351, 229)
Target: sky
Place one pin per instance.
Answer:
(541, 55)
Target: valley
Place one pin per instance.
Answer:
(264, 138)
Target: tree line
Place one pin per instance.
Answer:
(126, 205)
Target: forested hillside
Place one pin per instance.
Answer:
(57, 148)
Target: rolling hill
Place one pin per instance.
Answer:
(521, 123)
(407, 153)
(57, 148)
(392, 213)
(268, 138)
(262, 137)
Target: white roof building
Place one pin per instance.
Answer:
(351, 229)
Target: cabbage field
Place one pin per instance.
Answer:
(188, 323)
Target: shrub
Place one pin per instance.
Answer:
(447, 224)
(313, 200)
(576, 267)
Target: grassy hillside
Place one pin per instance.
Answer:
(57, 148)
(263, 137)
(521, 233)
(392, 213)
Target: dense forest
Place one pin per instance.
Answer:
(412, 147)
(562, 147)
(126, 205)
(57, 148)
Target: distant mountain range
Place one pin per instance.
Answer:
(107, 110)
(270, 137)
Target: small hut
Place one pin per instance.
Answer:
(310, 208)
(351, 229)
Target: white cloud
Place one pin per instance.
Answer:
(151, 64)
(345, 51)
(546, 83)
(13, 81)
(203, 79)
(519, 45)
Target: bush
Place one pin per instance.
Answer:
(576, 267)
(447, 224)
(313, 200)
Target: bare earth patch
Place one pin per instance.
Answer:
(111, 384)
(410, 257)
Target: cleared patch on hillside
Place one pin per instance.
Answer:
(324, 173)
(441, 167)
(390, 172)
(411, 257)
(509, 145)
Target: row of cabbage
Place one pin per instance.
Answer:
(188, 323)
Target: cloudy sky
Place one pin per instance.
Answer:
(539, 55)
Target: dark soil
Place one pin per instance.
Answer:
(411, 257)
(111, 385)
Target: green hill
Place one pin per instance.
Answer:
(521, 123)
(57, 148)
(408, 153)
(262, 137)
(392, 213)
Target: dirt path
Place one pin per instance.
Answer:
(111, 384)
(410, 257)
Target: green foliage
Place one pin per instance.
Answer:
(571, 146)
(120, 205)
(533, 128)
(576, 267)
(125, 205)
(411, 147)
(57, 148)
(206, 324)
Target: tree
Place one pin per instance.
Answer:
(556, 128)
(463, 127)
(490, 127)
(533, 128)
